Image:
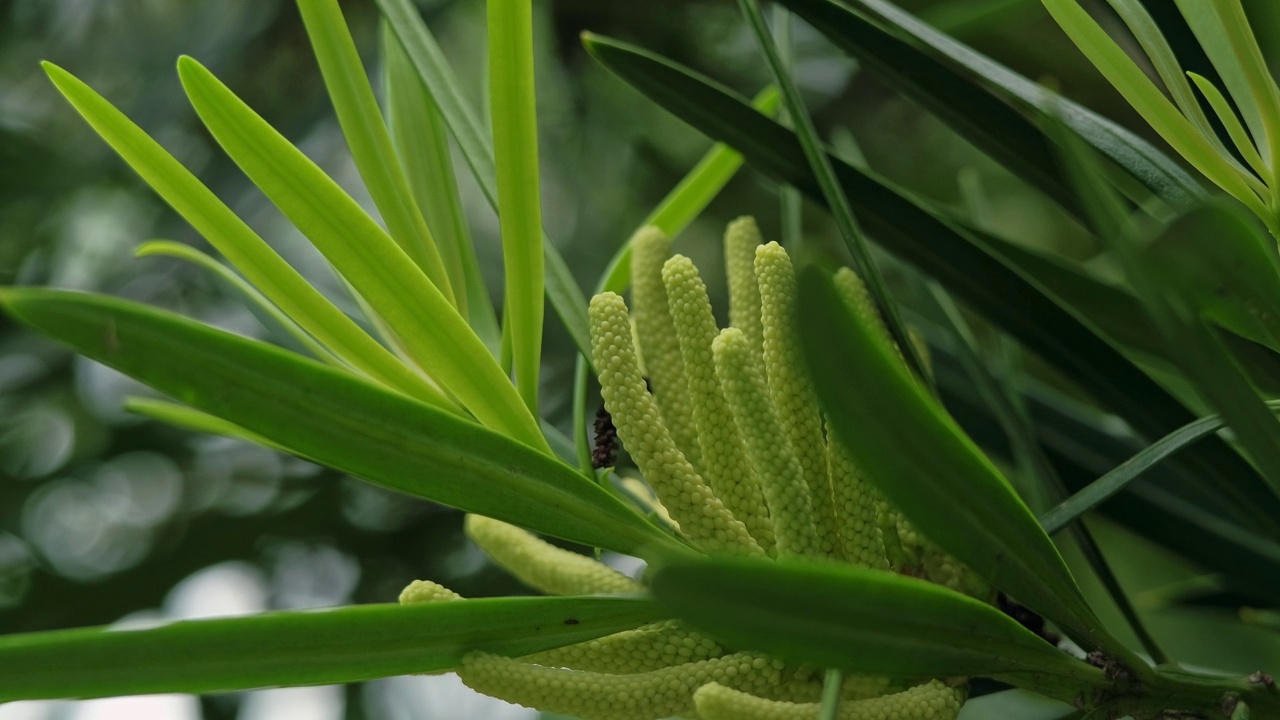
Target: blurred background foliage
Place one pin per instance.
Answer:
(103, 514)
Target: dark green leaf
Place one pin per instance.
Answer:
(300, 648)
(337, 419)
(985, 101)
(907, 446)
(862, 621)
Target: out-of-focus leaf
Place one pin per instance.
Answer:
(300, 648)
(426, 324)
(907, 445)
(863, 621)
(339, 420)
(985, 101)
(960, 260)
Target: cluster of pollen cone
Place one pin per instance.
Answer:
(732, 444)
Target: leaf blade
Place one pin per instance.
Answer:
(368, 139)
(433, 68)
(299, 648)
(863, 621)
(339, 420)
(239, 243)
(429, 327)
(515, 148)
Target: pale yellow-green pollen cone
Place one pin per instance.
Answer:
(725, 462)
(702, 517)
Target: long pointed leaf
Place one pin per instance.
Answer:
(255, 298)
(515, 146)
(422, 141)
(909, 447)
(958, 259)
(562, 290)
(339, 420)
(240, 244)
(864, 621)
(429, 327)
(299, 648)
(368, 139)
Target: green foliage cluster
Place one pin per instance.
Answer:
(434, 394)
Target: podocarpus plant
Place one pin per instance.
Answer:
(836, 416)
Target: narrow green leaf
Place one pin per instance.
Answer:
(1102, 489)
(1170, 505)
(422, 140)
(368, 139)
(1262, 87)
(283, 649)
(832, 191)
(1150, 103)
(861, 621)
(339, 420)
(928, 468)
(1205, 21)
(429, 327)
(515, 145)
(1180, 276)
(255, 298)
(438, 78)
(1147, 33)
(985, 101)
(1227, 115)
(241, 246)
(960, 259)
(189, 419)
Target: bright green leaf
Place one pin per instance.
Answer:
(429, 327)
(515, 145)
(234, 239)
(422, 141)
(562, 290)
(339, 420)
(299, 648)
(368, 139)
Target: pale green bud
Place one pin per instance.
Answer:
(690, 501)
(767, 445)
(649, 250)
(541, 565)
(789, 385)
(724, 459)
